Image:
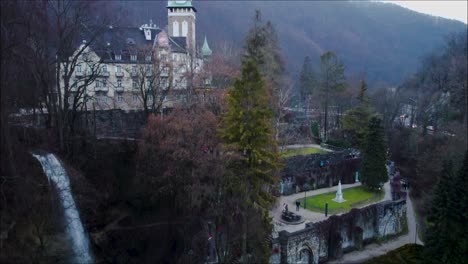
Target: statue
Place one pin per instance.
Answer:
(339, 194)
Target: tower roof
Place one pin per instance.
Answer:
(205, 50)
(175, 4)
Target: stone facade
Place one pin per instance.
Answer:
(329, 239)
(130, 67)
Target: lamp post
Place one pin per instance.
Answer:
(305, 192)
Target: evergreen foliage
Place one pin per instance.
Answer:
(355, 120)
(247, 132)
(247, 128)
(443, 232)
(373, 171)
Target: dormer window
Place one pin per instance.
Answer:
(118, 57)
(133, 57)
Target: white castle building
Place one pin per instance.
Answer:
(133, 68)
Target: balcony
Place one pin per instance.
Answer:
(101, 89)
(119, 89)
(80, 73)
(119, 74)
(134, 74)
(104, 74)
(164, 73)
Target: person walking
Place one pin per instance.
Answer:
(298, 204)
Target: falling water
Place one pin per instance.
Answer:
(57, 174)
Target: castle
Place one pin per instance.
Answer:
(135, 68)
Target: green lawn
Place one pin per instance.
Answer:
(300, 151)
(355, 197)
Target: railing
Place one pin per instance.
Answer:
(101, 89)
(104, 73)
(119, 74)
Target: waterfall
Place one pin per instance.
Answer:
(56, 173)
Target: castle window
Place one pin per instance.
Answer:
(133, 57)
(134, 84)
(78, 67)
(104, 68)
(135, 98)
(119, 68)
(120, 98)
(119, 82)
(118, 57)
(184, 28)
(98, 83)
(104, 83)
(175, 29)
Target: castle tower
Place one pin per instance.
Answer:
(181, 16)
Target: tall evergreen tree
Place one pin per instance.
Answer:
(306, 81)
(246, 130)
(262, 45)
(461, 210)
(373, 171)
(332, 80)
(355, 120)
(442, 233)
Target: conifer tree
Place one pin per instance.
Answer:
(355, 120)
(247, 130)
(373, 171)
(461, 210)
(442, 235)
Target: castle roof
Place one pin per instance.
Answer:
(205, 50)
(176, 4)
(127, 41)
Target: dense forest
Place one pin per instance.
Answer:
(198, 183)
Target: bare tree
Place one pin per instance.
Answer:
(153, 80)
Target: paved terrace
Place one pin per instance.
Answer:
(307, 215)
(369, 251)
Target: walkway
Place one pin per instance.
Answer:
(374, 250)
(309, 216)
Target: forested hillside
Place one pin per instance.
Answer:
(383, 42)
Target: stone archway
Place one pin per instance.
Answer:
(305, 256)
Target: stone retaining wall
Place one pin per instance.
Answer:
(329, 239)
